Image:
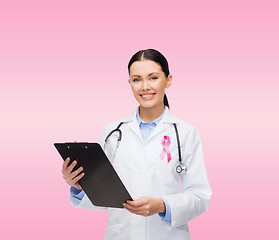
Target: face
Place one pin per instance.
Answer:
(148, 83)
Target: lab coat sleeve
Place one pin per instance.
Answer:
(167, 215)
(196, 192)
(75, 196)
(81, 200)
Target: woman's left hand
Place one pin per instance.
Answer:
(145, 206)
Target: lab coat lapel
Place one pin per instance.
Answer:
(167, 118)
(158, 129)
(134, 126)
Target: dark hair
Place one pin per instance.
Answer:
(153, 55)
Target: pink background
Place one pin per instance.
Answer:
(63, 72)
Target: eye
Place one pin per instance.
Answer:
(136, 80)
(154, 78)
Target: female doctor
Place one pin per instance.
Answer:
(157, 152)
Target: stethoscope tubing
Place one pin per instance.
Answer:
(180, 168)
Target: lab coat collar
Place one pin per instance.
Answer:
(134, 126)
(167, 118)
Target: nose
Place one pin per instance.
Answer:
(145, 85)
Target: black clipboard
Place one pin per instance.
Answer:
(101, 183)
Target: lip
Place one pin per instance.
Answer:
(147, 96)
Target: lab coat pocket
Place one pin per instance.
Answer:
(118, 224)
(166, 174)
(112, 231)
(184, 227)
(181, 232)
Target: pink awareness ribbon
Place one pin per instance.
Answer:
(166, 143)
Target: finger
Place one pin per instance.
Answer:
(80, 176)
(129, 207)
(132, 208)
(138, 202)
(75, 173)
(65, 164)
(76, 179)
(71, 175)
(140, 212)
(71, 167)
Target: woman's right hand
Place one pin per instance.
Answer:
(71, 177)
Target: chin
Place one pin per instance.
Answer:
(147, 105)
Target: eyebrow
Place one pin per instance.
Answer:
(148, 74)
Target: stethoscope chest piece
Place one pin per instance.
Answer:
(181, 168)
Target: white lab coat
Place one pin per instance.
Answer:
(144, 173)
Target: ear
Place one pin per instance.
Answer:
(168, 81)
(129, 81)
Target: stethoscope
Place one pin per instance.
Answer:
(180, 168)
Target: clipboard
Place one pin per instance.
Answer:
(101, 182)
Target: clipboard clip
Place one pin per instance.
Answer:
(74, 143)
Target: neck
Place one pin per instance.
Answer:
(150, 114)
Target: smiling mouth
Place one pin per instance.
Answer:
(147, 96)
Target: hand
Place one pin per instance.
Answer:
(71, 177)
(145, 206)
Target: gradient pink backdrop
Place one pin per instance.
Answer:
(63, 73)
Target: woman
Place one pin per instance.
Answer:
(147, 161)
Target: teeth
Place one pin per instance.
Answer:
(146, 96)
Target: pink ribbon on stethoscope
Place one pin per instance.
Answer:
(166, 143)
